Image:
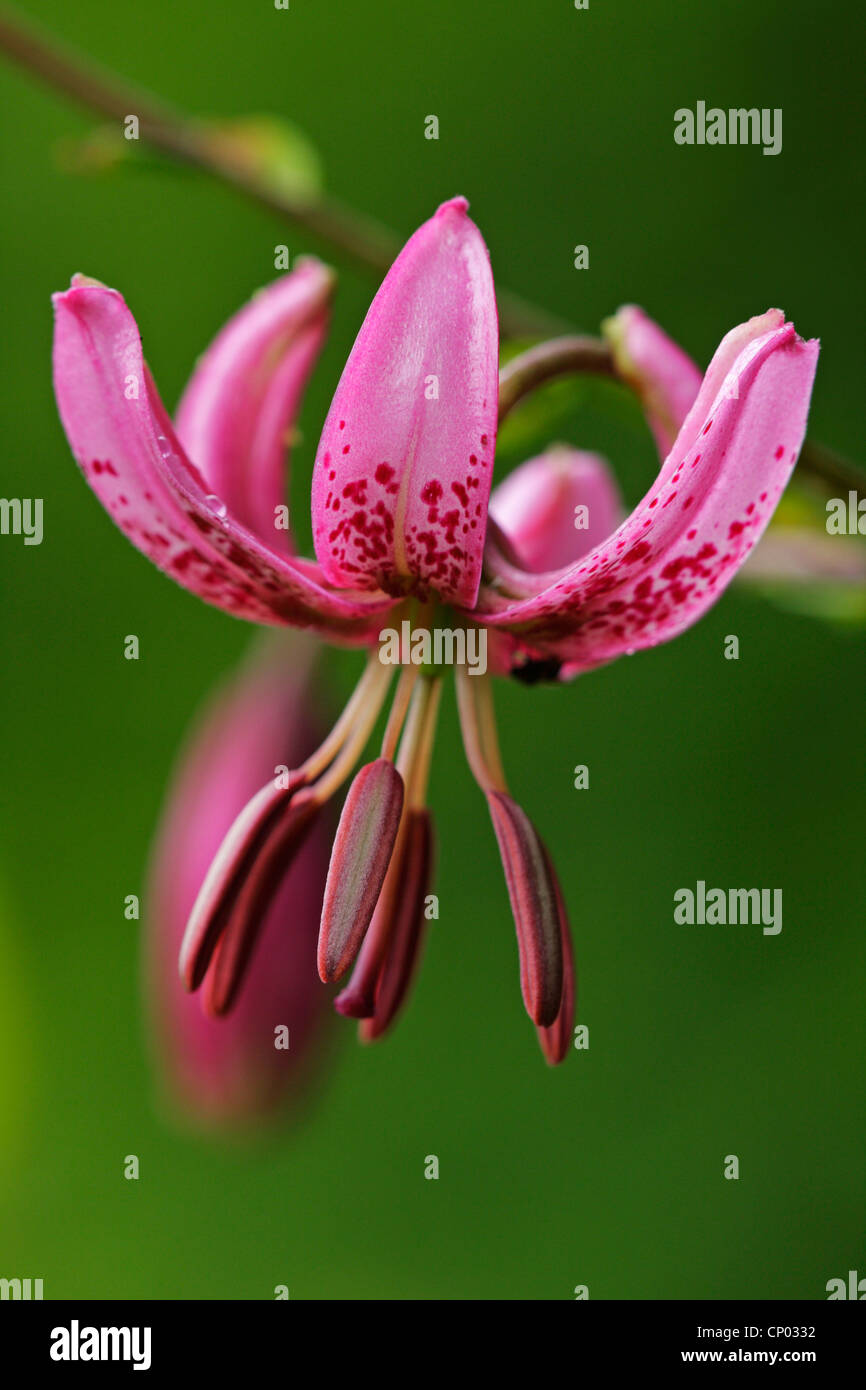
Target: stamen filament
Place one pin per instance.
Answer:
(416, 789)
(408, 743)
(371, 688)
(484, 761)
(367, 713)
(487, 726)
(397, 717)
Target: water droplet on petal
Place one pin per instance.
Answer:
(165, 448)
(218, 507)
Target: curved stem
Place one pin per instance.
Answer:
(569, 355)
(358, 236)
(545, 361)
(837, 474)
(361, 238)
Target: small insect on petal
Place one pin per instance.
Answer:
(532, 891)
(359, 862)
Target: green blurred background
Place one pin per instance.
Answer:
(557, 124)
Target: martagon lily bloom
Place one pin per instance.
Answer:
(400, 495)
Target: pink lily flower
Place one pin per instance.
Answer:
(240, 1070)
(400, 495)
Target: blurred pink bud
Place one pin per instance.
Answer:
(235, 1071)
(557, 507)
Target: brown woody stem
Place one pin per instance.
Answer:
(545, 361)
(357, 236)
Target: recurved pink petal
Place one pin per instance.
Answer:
(665, 379)
(126, 447)
(238, 408)
(230, 1071)
(732, 353)
(403, 469)
(556, 507)
(681, 546)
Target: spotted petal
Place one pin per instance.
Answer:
(242, 398)
(128, 451)
(683, 543)
(403, 469)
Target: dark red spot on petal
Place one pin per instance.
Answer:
(431, 492)
(637, 552)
